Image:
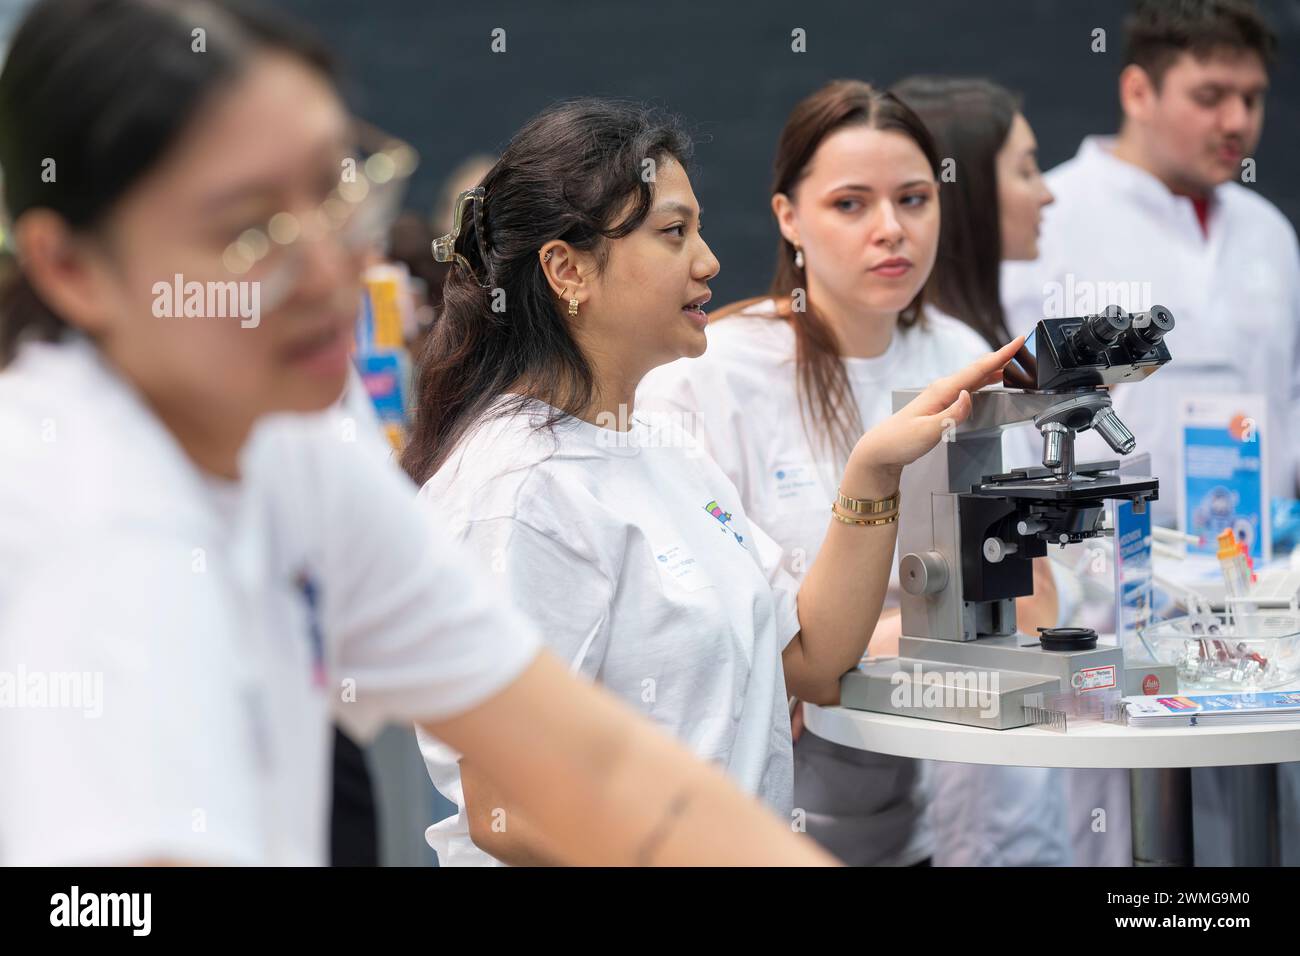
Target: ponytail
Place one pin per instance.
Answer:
(23, 316)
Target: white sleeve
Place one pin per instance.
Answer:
(566, 597)
(150, 739)
(412, 620)
(785, 589)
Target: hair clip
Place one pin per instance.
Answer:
(444, 247)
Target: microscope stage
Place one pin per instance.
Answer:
(1081, 488)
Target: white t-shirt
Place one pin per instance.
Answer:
(741, 399)
(199, 634)
(746, 379)
(1117, 234)
(633, 556)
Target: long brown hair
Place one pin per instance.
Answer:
(826, 403)
(970, 120)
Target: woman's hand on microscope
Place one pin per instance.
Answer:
(921, 424)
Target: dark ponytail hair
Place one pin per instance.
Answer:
(970, 120)
(575, 173)
(103, 88)
(826, 403)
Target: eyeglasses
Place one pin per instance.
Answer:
(357, 213)
(444, 247)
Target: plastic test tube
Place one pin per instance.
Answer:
(1236, 575)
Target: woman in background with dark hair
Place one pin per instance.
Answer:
(180, 520)
(788, 376)
(582, 267)
(993, 207)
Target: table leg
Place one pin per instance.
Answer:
(1253, 792)
(1161, 803)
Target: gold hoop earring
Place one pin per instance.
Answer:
(573, 308)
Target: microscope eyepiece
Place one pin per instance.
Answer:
(1149, 328)
(1099, 332)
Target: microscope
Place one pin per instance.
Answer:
(969, 531)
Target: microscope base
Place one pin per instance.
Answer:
(925, 689)
(989, 690)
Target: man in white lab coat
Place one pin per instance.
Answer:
(1166, 213)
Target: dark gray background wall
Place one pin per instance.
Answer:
(425, 71)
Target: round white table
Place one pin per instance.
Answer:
(1158, 759)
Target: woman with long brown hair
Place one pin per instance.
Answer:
(789, 377)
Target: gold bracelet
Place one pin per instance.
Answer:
(887, 519)
(868, 506)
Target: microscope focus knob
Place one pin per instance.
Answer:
(995, 549)
(923, 573)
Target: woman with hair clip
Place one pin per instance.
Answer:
(214, 563)
(789, 377)
(582, 267)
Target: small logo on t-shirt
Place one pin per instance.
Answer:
(723, 517)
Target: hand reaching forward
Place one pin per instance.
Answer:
(919, 425)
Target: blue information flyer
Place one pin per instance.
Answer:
(1224, 475)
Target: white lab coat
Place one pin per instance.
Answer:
(1116, 234)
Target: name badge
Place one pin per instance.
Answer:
(796, 485)
(677, 564)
